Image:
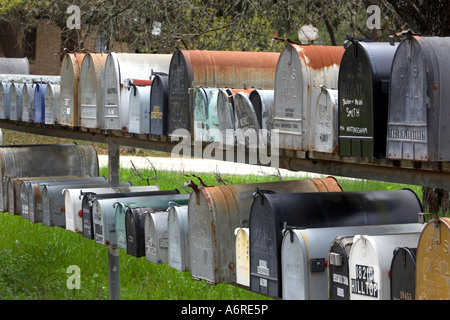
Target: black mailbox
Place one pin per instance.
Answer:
(403, 274)
(158, 104)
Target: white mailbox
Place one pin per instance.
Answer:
(369, 263)
(242, 256)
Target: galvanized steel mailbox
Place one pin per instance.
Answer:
(433, 260)
(52, 106)
(270, 212)
(246, 122)
(119, 69)
(139, 105)
(263, 104)
(159, 101)
(91, 85)
(225, 112)
(156, 236)
(69, 159)
(214, 214)
(325, 122)
(299, 69)
(403, 274)
(364, 80)
(178, 229)
(204, 101)
(419, 95)
(4, 99)
(369, 262)
(306, 263)
(38, 111)
(15, 101)
(210, 69)
(69, 92)
(27, 102)
(14, 66)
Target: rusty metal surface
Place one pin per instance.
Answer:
(69, 93)
(91, 81)
(300, 69)
(214, 214)
(433, 261)
(224, 69)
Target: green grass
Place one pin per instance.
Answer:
(34, 258)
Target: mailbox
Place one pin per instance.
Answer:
(4, 99)
(418, 100)
(139, 108)
(247, 125)
(159, 104)
(403, 274)
(263, 103)
(215, 212)
(338, 272)
(69, 91)
(15, 101)
(204, 101)
(52, 107)
(38, 112)
(178, 228)
(27, 102)
(225, 112)
(369, 262)
(324, 124)
(432, 261)
(134, 231)
(271, 211)
(156, 237)
(242, 257)
(91, 84)
(306, 262)
(119, 69)
(299, 69)
(364, 79)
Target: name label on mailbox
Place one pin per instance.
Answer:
(364, 283)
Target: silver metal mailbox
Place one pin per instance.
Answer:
(263, 104)
(119, 69)
(418, 100)
(14, 66)
(15, 101)
(178, 228)
(91, 89)
(369, 262)
(27, 102)
(201, 99)
(246, 122)
(156, 237)
(4, 99)
(225, 112)
(305, 257)
(69, 93)
(52, 107)
(139, 105)
(299, 69)
(324, 121)
(69, 159)
(214, 214)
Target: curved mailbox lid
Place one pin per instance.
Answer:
(4, 99)
(418, 100)
(14, 66)
(91, 84)
(15, 101)
(211, 248)
(324, 124)
(247, 125)
(207, 68)
(178, 228)
(69, 92)
(300, 68)
(364, 79)
(338, 272)
(139, 109)
(27, 102)
(305, 264)
(38, 112)
(403, 274)
(369, 262)
(159, 104)
(202, 99)
(263, 104)
(52, 107)
(156, 236)
(270, 212)
(432, 261)
(225, 112)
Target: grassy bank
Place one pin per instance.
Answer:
(34, 258)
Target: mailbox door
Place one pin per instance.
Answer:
(403, 274)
